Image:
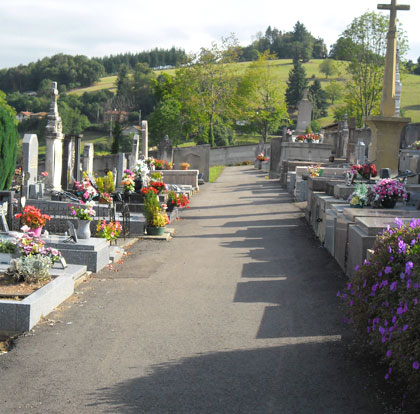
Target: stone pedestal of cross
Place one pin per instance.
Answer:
(386, 128)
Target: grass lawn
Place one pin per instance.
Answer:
(215, 171)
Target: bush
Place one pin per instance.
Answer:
(383, 302)
(32, 268)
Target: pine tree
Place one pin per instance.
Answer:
(296, 84)
(9, 138)
(318, 97)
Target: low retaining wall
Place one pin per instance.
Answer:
(233, 155)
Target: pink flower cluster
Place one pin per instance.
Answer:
(389, 188)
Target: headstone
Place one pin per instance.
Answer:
(166, 150)
(88, 155)
(134, 156)
(260, 148)
(304, 114)
(68, 161)
(345, 137)
(198, 157)
(144, 139)
(122, 165)
(77, 151)
(54, 143)
(360, 152)
(30, 160)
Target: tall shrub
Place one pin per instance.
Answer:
(9, 138)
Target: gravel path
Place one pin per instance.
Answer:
(237, 314)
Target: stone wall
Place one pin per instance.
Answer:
(233, 155)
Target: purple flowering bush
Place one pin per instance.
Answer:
(382, 301)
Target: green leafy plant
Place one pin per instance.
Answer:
(6, 246)
(31, 268)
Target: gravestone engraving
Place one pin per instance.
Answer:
(165, 150)
(30, 160)
(304, 114)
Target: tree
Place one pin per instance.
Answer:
(116, 135)
(206, 88)
(296, 84)
(334, 91)
(318, 97)
(328, 67)
(261, 97)
(366, 39)
(166, 120)
(9, 138)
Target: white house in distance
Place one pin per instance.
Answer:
(26, 115)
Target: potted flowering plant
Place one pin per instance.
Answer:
(159, 164)
(127, 182)
(85, 215)
(33, 218)
(359, 198)
(109, 231)
(35, 260)
(156, 217)
(158, 186)
(85, 190)
(169, 165)
(315, 170)
(185, 165)
(416, 145)
(147, 190)
(300, 138)
(261, 157)
(388, 191)
(366, 171)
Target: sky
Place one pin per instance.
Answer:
(33, 29)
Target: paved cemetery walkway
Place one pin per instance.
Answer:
(237, 314)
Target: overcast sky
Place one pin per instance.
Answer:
(33, 29)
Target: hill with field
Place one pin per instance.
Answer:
(410, 101)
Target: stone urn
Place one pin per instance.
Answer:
(83, 229)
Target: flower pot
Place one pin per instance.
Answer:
(138, 184)
(184, 168)
(155, 231)
(389, 202)
(171, 206)
(83, 229)
(37, 232)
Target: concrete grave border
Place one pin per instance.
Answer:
(20, 316)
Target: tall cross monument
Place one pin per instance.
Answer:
(388, 89)
(386, 128)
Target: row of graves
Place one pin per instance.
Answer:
(62, 223)
(349, 199)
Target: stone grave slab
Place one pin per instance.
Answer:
(93, 253)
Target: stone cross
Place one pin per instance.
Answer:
(388, 90)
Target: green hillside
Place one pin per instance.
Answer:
(410, 102)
